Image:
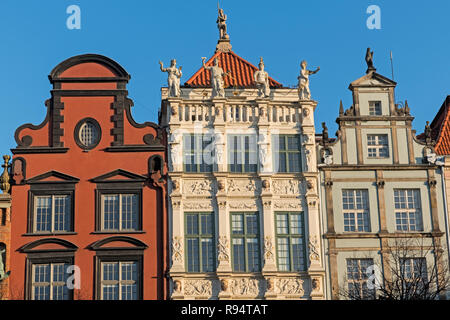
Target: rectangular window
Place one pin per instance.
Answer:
(375, 108)
(355, 208)
(120, 280)
(408, 213)
(49, 282)
(290, 241)
(242, 154)
(120, 212)
(245, 242)
(200, 249)
(52, 213)
(357, 278)
(287, 153)
(377, 146)
(414, 269)
(198, 153)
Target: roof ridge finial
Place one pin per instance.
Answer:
(223, 44)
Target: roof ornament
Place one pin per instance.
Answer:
(4, 178)
(369, 61)
(173, 77)
(217, 75)
(224, 39)
(303, 81)
(262, 80)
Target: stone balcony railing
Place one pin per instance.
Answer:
(241, 113)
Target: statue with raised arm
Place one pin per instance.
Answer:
(217, 75)
(222, 25)
(173, 78)
(262, 80)
(369, 61)
(303, 81)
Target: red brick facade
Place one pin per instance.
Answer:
(88, 190)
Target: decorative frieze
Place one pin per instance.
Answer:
(197, 206)
(198, 187)
(314, 249)
(290, 286)
(223, 247)
(268, 249)
(243, 205)
(177, 249)
(194, 288)
(245, 287)
(241, 186)
(287, 187)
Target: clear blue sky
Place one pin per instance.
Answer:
(137, 34)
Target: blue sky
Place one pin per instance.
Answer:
(137, 34)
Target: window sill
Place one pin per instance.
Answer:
(49, 234)
(118, 232)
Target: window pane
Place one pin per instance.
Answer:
(237, 224)
(253, 254)
(238, 255)
(298, 256)
(110, 212)
(193, 255)
(282, 224)
(43, 213)
(207, 255)
(129, 212)
(283, 254)
(191, 224)
(252, 224)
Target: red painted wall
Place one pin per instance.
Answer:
(94, 73)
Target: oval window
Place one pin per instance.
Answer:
(87, 133)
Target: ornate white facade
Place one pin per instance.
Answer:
(221, 192)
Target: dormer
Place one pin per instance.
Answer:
(373, 95)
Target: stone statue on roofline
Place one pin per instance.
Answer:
(303, 81)
(262, 80)
(369, 61)
(222, 25)
(217, 75)
(173, 78)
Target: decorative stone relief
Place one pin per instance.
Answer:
(270, 283)
(267, 204)
(268, 249)
(266, 185)
(176, 204)
(224, 285)
(198, 187)
(223, 248)
(175, 185)
(197, 206)
(222, 204)
(197, 288)
(290, 286)
(285, 187)
(177, 249)
(314, 249)
(315, 284)
(239, 186)
(242, 205)
(177, 286)
(245, 287)
(288, 205)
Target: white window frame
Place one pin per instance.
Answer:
(52, 227)
(416, 210)
(363, 277)
(92, 134)
(365, 212)
(373, 108)
(120, 282)
(377, 147)
(137, 215)
(50, 284)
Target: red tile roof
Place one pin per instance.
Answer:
(241, 72)
(440, 129)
